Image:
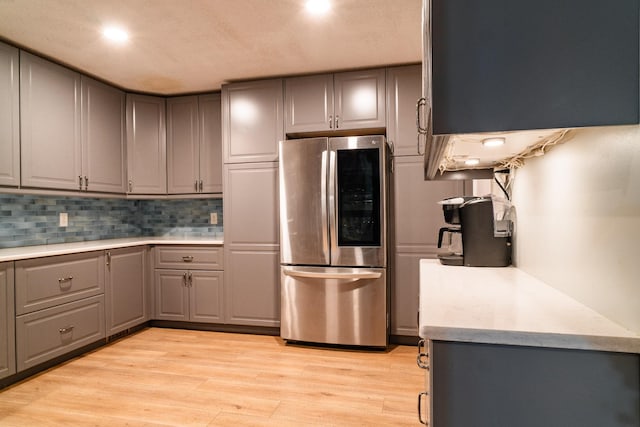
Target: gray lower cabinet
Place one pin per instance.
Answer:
(417, 219)
(45, 334)
(252, 122)
(7, 321)
(146, 144)
(252, 278)
(189, 284)
(487, 385)
(9, 116)
(126, 289)
(59, 305)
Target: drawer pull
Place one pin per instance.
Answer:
(187, 258)
(65, 330)
(65, 279)
(424, 421)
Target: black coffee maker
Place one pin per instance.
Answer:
(486, 240)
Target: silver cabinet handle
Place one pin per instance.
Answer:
(188, 258)
(190, 279)
(366, 274)
(201, 186)
(424, 421)
(65, 330)
(80, 182)
(130, 186)
(86, 183)
(330, 121)
(184, 278)
(65, 279)
(108, 258)
(423, 356)
(195, 187)
(337, 121)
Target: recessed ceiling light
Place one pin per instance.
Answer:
(115, 34)
(318, 7)
(472, 162)
(493, 142)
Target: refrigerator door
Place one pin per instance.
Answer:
(357, 201)
(345, 306)
(304, 233)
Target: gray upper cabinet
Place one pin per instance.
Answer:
(72, 129)
(529, 65)
(333, 102)
(50, 124)
(9, 116)
(194, 144)
(252, 121)
(126, 301)
(404, 88)
(146, 145)
(7, 321)
(103, 136)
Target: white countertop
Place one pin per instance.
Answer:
(26, 252)
(508, 306)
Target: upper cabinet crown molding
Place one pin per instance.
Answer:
(9, 116)
(335, 102)
(252, 121)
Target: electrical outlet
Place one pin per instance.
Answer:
(213, 218)
(64, 219)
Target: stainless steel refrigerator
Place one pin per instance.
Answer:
(333, 240)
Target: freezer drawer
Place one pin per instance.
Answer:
(345, 306)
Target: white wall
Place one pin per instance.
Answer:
(578, 220)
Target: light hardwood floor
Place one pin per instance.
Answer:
(196, 378)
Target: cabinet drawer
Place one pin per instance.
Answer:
(49, 333)
(189, 257)
(47, 282)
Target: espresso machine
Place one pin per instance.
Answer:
(485, 232)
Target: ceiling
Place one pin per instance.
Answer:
(186, 46)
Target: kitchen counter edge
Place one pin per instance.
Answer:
(468, 319)
(28, 252)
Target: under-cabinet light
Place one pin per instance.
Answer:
(115, 34)
(493, 142)
(472, 162)
(318, 7)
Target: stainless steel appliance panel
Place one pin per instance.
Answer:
(304, 234)
(345, 306)
(357, 201)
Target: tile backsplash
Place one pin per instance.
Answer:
(27, 220)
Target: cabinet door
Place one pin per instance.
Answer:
(252, 122)
(417, 219)
(360, 100)
(172, 295)
(404, 88)
(146, 148)
(509, 65)
(183, 155)
(103, 151)
(252, 293)
(209, 108)
(9, 117)
(205, 296)
(7, 321)
(251, 205)
(49, 124)
(308, 103)
(125, 292)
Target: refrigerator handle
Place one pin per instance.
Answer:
(323, 203)
(332, 275)
(333, 218)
